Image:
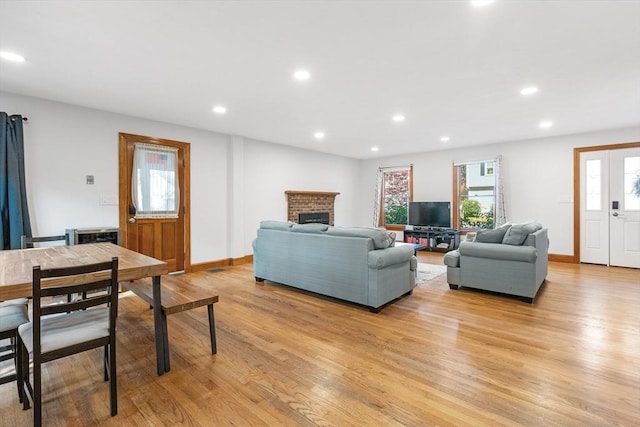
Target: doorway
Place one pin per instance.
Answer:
(609, 205)
(155, 199)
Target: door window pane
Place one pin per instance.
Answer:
(593, 194)
(632, 183)
(154, 181)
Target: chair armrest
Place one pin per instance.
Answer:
(498, 251)
(381, 258)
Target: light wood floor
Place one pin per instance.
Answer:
(437, 357)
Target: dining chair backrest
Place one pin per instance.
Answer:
(85, 279)
(28, 242)
(63, 328)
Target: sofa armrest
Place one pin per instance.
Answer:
(498, 251)
(381, 258)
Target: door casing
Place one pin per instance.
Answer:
(577, 196)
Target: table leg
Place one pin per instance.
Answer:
(212, 329)
(165, 331)
(158, 326)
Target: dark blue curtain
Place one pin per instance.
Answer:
(13, 194)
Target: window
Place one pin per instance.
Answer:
(474, 198)
(632, 183)
(594, 185)
(486, 168)
(395, 194)
(154, 182)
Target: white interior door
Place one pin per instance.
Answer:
(624, 204)
(610, 207)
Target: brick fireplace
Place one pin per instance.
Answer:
(309, 202)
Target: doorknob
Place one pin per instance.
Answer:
(132, 220)
(614, 214)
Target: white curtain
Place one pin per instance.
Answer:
(154, 182)
(501, 210)
(378, 196)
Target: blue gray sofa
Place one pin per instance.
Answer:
(355, 264)
(512, 259)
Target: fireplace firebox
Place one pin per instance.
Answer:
(313, 217)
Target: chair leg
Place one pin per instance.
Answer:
(24, 378)
(212, 329)
(105, 363)
(113, 383)
(37, 392)
(17, 363)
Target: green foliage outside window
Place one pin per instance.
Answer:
(395, 214)
(473, 216)
(635, 186)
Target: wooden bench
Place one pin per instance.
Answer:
(178, 295)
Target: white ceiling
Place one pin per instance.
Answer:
(451, 69)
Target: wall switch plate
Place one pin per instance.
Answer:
(108, 200)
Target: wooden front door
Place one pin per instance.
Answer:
(154, 198)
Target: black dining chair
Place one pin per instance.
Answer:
(28, 242)
(65, 328)
(13, 313)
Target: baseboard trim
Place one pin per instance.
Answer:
(570, 259)
(228, 262)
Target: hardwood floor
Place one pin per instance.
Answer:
(438, 357)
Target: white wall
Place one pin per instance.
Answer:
(272, 169)
(538, 177)
(64, 143)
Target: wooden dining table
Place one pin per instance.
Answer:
(16, 271)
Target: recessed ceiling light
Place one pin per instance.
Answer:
(219, 109)
(546, 124)
(398, 118)
(445, 139)
(301, 75)
(374, 149)
(530, 90)
(10, 56)
(481, 3)
(318, 135)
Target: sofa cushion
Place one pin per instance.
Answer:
(392, 239)
(309, 228)
(492, 236)
(498, 252)
(517, 234)
(379, 236)
(276, 225)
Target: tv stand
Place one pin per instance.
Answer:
(433, 238)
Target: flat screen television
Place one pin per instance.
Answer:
(435, 214)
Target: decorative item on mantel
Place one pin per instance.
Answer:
(318, 203)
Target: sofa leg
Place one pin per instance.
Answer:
(375, 309)
(527, 300)
(259, 279)
(453, 286)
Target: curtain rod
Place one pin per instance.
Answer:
(394, 167)
(24, 119)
